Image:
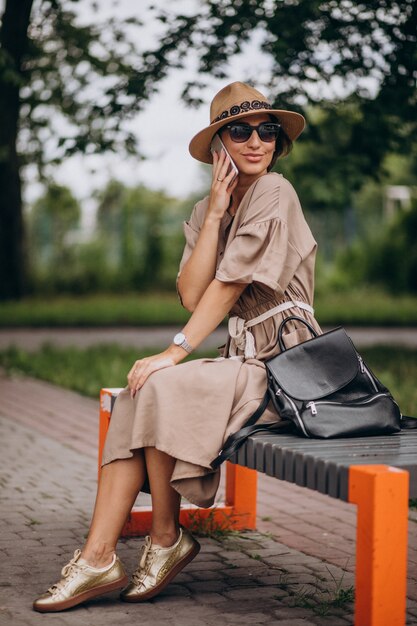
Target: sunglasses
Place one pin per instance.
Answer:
(267, 131)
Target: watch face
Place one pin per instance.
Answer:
(179, 339)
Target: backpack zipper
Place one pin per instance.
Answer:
(297, 415)
(365, 371)
(313, 405)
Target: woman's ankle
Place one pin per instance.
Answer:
(98, 555)
(165, 539)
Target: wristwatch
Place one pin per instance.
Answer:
(180, 340)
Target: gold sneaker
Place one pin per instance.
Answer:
(158, 566)
(79, 583)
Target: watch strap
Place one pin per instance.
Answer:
(186, 346)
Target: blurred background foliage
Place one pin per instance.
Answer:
(136, 244)
(355, 166)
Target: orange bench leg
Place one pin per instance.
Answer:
(238, 511)
(381, 493)
(241, 493)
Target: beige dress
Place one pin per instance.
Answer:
(190, 409)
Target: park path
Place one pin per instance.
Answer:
(33, 338)
(305, 543)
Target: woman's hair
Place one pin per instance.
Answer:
(283, 145)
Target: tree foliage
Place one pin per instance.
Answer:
(130, 222)
(94, 76)
(78, 83)
(65, 88)
(323, 168)
(320, 51)
(136, 245)
(54, 216)
(69, 87)
(388, 257)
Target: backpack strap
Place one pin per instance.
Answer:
(234, 441)
(408, 422)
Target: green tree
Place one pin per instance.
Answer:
(385, 250)
(54, 67)
(48, 61)
(309, 42)
(369, 201)
(324, 169)
(311, 46)
(155, 206)
(369, 48)
(111, 202)
(54, 216)
(13, 44)
(131, 220)
(327, 173)
(387, 257)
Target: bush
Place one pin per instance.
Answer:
(85, 270)
(389, 258)
(393, 261)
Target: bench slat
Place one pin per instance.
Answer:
(323, 465)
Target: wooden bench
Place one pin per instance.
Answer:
(377, 474)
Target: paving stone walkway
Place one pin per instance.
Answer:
(302, 553)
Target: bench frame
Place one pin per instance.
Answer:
(381, 494)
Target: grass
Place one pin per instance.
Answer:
(361, 307)
(88, 370)
(83, 370)
(366, 307)
(322, 602)
(211, 527)
(95, 310)
(314, 596)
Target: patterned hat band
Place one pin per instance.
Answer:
(244, 107)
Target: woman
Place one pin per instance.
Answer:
(250, 254)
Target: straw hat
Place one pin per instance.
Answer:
(233, 102)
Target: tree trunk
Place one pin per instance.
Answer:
(13, 41)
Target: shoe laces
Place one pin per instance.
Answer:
(67, 573)
(145, 562)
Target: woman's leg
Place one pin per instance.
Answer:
(119, 485)
(165, 500)
(169, 548)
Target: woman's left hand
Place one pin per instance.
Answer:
(143, 368)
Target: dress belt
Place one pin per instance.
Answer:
(240, 336)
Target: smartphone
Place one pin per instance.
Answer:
(217, 146)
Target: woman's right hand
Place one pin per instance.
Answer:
(222, 186)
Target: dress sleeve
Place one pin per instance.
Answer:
(263, 249)
(260, 252)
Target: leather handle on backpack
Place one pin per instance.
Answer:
(289, 319)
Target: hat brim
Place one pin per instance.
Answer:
(292, 123)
